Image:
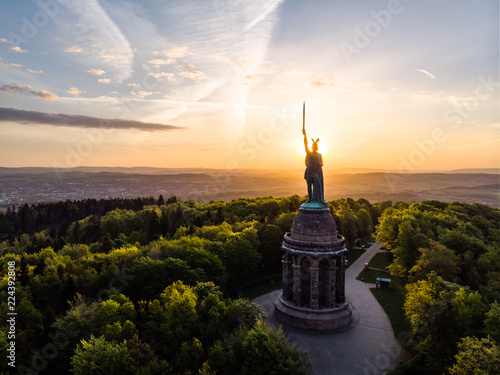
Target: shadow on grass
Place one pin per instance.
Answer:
(381, 260)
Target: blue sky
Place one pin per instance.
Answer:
(402, 85)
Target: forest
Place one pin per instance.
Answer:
(153, 285)
(150, 286)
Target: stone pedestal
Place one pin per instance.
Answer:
(313, 274)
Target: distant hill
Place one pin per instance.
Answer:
(33, 185)
(477, 170)
(157, 171)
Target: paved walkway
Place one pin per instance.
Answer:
(367, 347)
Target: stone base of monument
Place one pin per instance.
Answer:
(324, 319)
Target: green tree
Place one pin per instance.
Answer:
(271, 238)
(365, 219)
(265, 350)
(436, 258)
(98, 356)
(492, 321)
(476, 356)
(440, 313)
(406, 252)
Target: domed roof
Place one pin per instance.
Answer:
(314, 226)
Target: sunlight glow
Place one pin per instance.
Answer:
(322, 148)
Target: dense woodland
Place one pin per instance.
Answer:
(449, 256)
(150, 286)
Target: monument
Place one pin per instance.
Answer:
(313, 295)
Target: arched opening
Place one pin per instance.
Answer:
(305, 282)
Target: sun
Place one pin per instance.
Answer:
(322, 148)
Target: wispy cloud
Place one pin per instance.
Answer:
(96, 72)
(54, 119)
(160, 76)
(18, 49)
(161, 61)
(34, 71)
(195, 75)
(104, 80)
(103, 37)
(176, 52)
(426, 73)
(27, 90)
(74, 91)
(142, 94)
(73, 49)
(227, 46)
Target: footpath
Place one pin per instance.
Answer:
(367, 347)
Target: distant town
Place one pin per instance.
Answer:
(19, 186)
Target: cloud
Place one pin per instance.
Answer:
(3, 40)
(104, 80)
(73, 49)
(176, 52)
(45, 95)
(34, 71)
(96, 72)
(54, 119)
(161, 62)
(321, 84)
(426, 73)
(163, 76)
(195, 75)
(10, 64)
(74, 91)
(101, 36)
(142, 94)
(18, 49)
(252, 79)
(27, 90)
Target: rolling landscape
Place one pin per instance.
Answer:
(35, 185)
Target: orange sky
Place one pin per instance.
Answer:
(223, 87)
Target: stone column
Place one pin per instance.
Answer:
(296, 284)
(287, 277)
(313, 303)
(340, 287)
(332, 278)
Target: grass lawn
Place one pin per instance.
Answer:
(352, 255)
(381, 260)
(370, 276)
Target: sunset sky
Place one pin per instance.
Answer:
(403, 85)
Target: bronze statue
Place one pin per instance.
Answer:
(314, 173)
